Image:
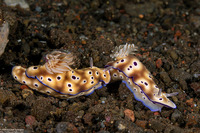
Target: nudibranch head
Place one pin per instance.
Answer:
(137, 78)
(123, 50)
(58, 62)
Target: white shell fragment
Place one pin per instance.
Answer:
(22, 3)
(4, 32)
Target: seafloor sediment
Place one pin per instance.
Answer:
(166, 32)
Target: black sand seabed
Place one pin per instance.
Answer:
(167, 34)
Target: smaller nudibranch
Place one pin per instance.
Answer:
(57, 80)
(137, 78)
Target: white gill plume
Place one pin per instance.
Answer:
(59, 62)
(123, 50)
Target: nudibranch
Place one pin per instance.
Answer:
(57, 78)
(137, 78)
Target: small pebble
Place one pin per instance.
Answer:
(102, 124)
(121, 127)
(103, 100)
(176, 115)
(107, 118)
(103, 131)
(41, 108)
(129, 114)
(6, 95)
(179, 74)
(196, 87)
(165, 77)
(81, 113)
(159, 63)
(156, 125)
(26, 93)
(38, 9)
(88, 118)
(141, 123)
(66, 127)
(173, 54)
(30, 120)
(190, 102)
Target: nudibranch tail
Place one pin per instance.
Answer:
(139, 77)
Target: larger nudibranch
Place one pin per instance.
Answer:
(57, 78)
(138, 79)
